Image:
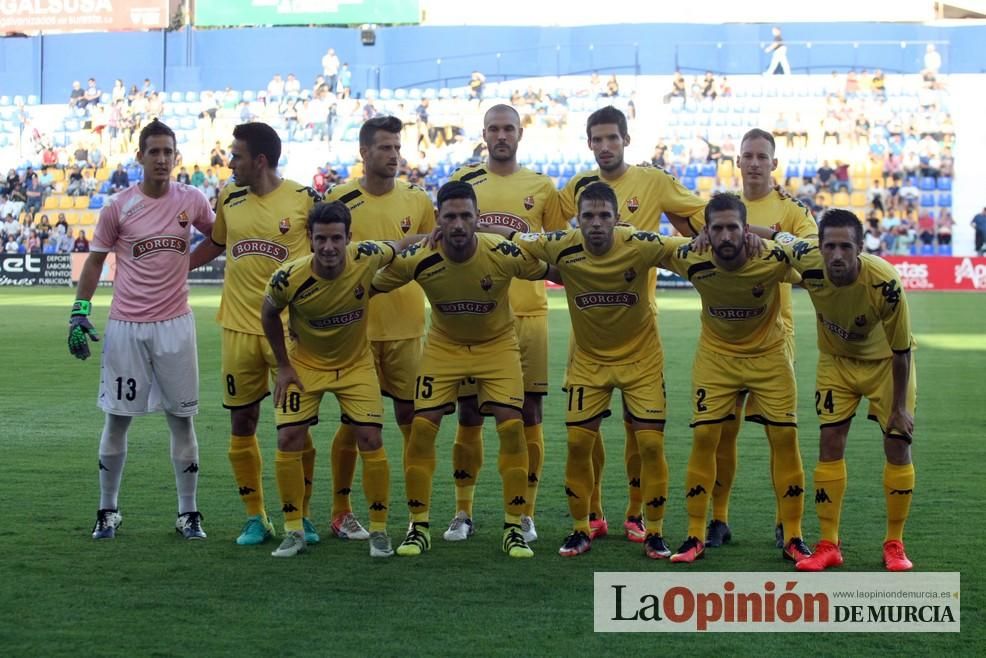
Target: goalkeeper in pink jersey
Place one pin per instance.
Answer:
(149, 361)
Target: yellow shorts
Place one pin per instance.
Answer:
(590, 385)
(397, 364)
(494, 365)
(840, 382)
(532, 337)
(248, 364)
(356, 387)
(769, 378)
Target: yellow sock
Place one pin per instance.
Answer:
(598, 462)
(579, 474)
(654, 478)
(344, 453)
(830, 490)
(534, 436)
(244, 457)
(467, 460)
(726, 464)
(419, 467)
(631, 459)
(512, 464)
(788, 476)
(291, 484)
(405, 436)
(376, 486)
(700, 476)
(308, 463)
(898, 488)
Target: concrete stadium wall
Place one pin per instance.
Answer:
(445, 56)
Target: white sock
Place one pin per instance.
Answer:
(185, 459)
(112, 458)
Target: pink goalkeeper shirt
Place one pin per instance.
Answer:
(150, 238)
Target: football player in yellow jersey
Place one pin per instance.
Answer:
(604, 268)
(383, 208)
(864, 350)
(644, 193)
(741, 347)
(260, 224)
(466, 277)
(521, 200)
(327, 294)
(765, 206)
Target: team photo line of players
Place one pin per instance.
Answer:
(352, 272)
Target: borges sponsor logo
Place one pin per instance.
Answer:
(733, 314)
(465, 307)
(505, 219)
(266, 248)
(157, 243)
(590, 299)
(339, 320)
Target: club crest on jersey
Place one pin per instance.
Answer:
(358, 291)
(158, 243)
(183, 219)
(406, 224)
(284, 226)
(630, 275)
(757, 290)
(633, 203)
(860, 320)
(528, 202)
(486, 283)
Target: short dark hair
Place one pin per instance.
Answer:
(154, 129)
(840, 218)
(599, 192)
(333, 212)
(725, 201)
(372, 126)
(456, 189)
(757, 133)
(260, 139)
(604, 115)
(502, 107)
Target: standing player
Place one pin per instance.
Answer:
(864, 350)
(150, 361)
(465, 277)
(644, 193)
(604, 271)
(260, 223)
(741, 347)
(520, 200)
(765, 206)
(383, 208)
(327, 293)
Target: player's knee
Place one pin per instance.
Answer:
(368, 438)
(184, 443)
(706, 436)
(403, 412)
(469, 412)
(832, 443)
(244, 420)
(580, 442)
(292, 438)
(533, 409)
(114, 438)
(782, 436)
(650, 445)
(897, 450)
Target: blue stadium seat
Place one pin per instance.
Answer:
(400, 94)
(96, 202)
(191, 97)
(944, 250)
(18, 100)
(944, 199)
(32, 99)
(927, 250)
(709, 169)
(553, 170)
(343, 171)
(568, 170)
(176, 97)
(810, 170)
(792, 171)
(414, 93)
(563, 181)
(926, 184)
(429, 93)
(927, 199)
(945, 184)
(692, 171)
(386, 94)
(105, 187)
(689, 182)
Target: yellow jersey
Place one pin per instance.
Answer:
(327, 317)
(524, 201)
(740, 308)
(468, 300)
(608, 295)
(406, 209)
(867, 319)
(780, 213)
(260, 233)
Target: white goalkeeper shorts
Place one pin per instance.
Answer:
(150, 366)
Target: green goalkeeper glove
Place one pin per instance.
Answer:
(80, 329)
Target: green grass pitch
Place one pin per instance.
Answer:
(150, 593)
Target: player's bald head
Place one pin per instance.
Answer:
(500, 109)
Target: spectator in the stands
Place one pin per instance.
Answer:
(926, 227)
(46, 179)
(944, 234)
(825, 176)
(81, 156)
(33, 193)
(275, 89)
(32, 244)
(873, 241)
(76, 97)
(217, 156)
(65, 241)
(345, 81)
(932, 63)
(15, 200)
(842, 180)
(92, 94)
(76, 186)
(119, 180)
(11, 247)
(330, 68)
(183, 176)
(709, 90)
(292, 87)
(11, 227)
(477, 82)
(877, 196)
(81, 244)
(198, 178)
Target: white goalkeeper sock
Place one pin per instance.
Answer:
(185, 459)
(112, 458)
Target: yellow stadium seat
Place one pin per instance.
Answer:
(860, 182)
(81, 202)
(57, 175)
(65, 203)
(823, 199)
(705, 183)
(75, 218)
(224, 173)
(725, 169)
(858, 198)
(51, 202)
(793, 185)
(103, 174)
(840, 199)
